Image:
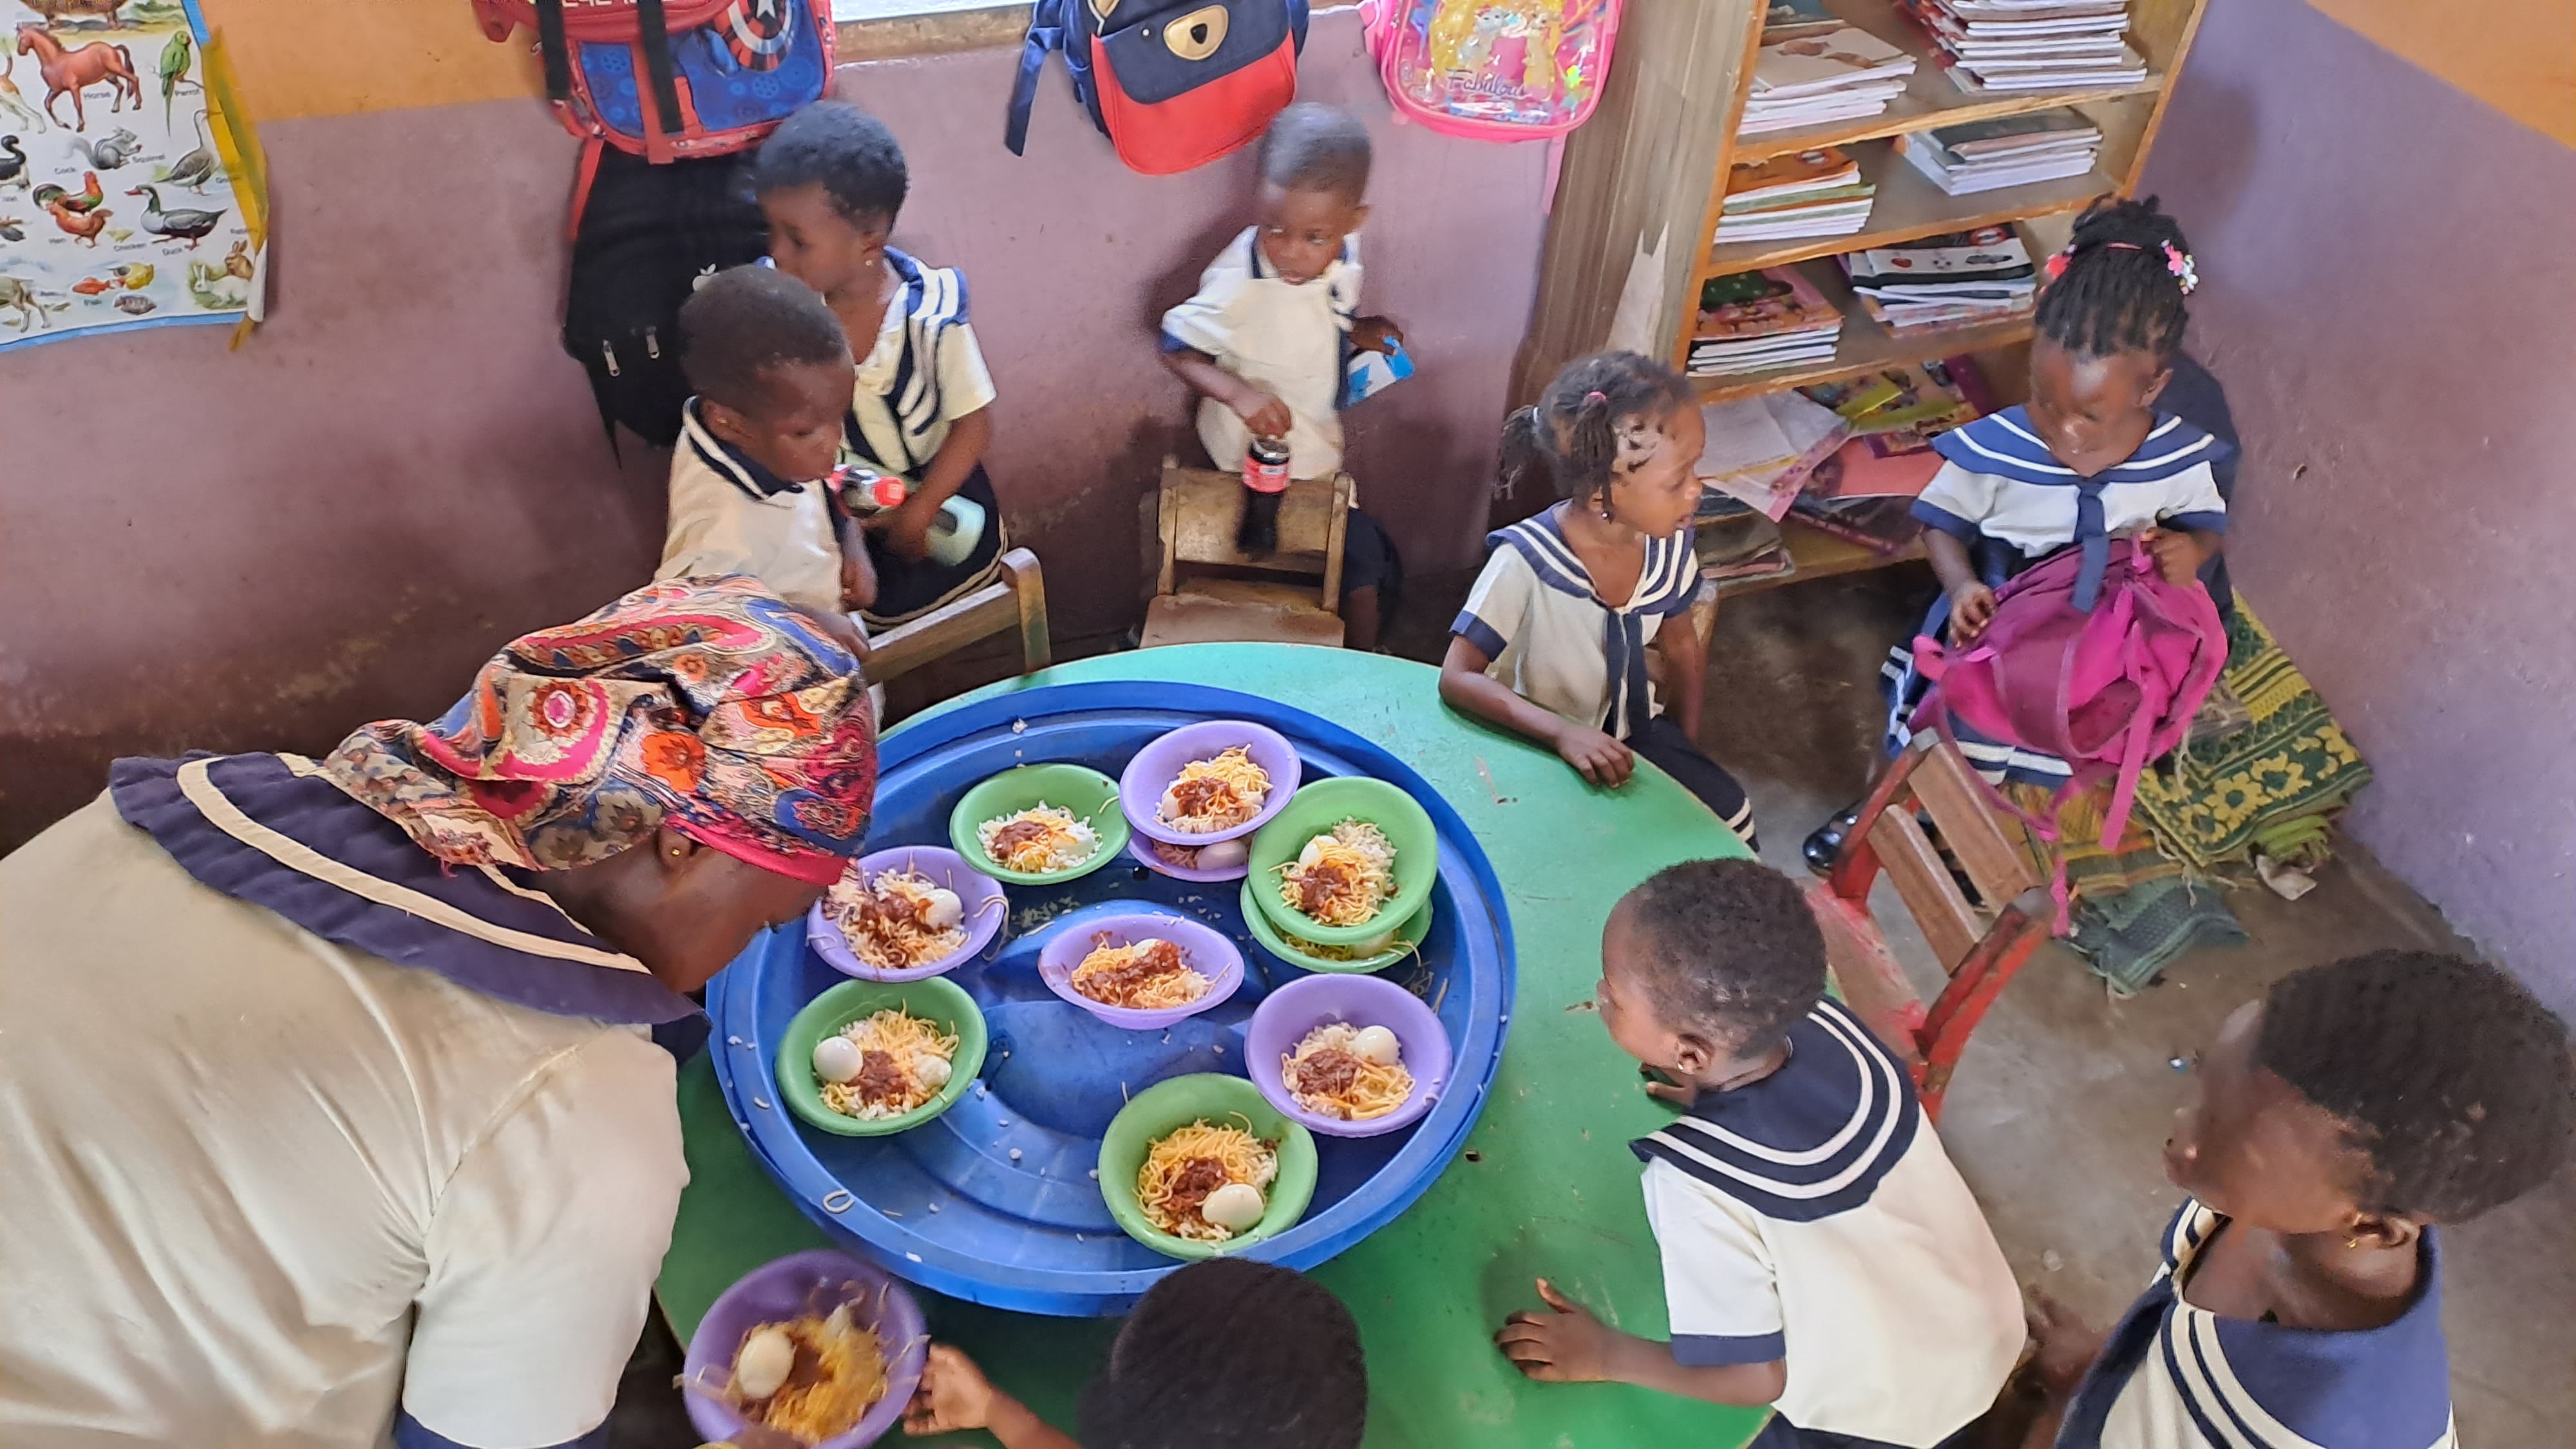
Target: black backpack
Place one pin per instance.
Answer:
(643, 236)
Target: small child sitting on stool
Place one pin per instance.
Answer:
(1820, 1252)
(1266, 341)
(750, 490)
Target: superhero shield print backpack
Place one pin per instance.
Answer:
(1173, 84)
(667, 79)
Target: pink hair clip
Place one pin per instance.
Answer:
(2178, 262)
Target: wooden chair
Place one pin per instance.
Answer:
(1298, 599)
(1016, 601)
(1979, 944)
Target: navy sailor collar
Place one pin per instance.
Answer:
(733, 464)
(2004, 444)
(270, 830)
(1665, 585)
(1809, 1141)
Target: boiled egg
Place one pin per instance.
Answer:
(1171, 807)
(1313, 852)
(1376, 1044)
(930, 1071)
(941, 909)
(1237, 1206)
(1225, 855)
(762, 1367)
(838, 1059)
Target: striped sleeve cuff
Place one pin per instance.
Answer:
(1932, 515)
(1711, 1350)
(1479, 633)
(2197, 522)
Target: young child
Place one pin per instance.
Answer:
(748, 479)
(1265, 341)
(1552, 642)
(831, 181)
(1223, 1352)
(2089, 457)
(1820, 1252)
(2300, 1303)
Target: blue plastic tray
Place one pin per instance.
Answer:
(994, 1201)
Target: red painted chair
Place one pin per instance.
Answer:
(1980, 944)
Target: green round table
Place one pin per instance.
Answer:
(1545, 1185)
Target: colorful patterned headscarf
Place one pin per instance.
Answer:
(706, 703)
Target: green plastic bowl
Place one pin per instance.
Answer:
(1315, 810)
(1213, 1097)
(1089, 794)
(932, 999)
(1408, 939)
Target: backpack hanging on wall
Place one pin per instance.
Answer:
(1173, 84)
(664, 79)
(1493, 70)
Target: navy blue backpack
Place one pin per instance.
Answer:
(1173, 84)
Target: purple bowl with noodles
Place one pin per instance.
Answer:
(1203, 950)
(1286, 1015)
(1155, 767)
(981, 903)
(814, 1282)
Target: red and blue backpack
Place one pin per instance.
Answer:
(1173, 84)
(669, 79)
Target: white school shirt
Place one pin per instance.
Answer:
(899, 417)
(1813, 1217)
(1287, 339)
(730, 515)
(1998, 478)
(1535, 615)
(262, 1186)
(2172, 1376)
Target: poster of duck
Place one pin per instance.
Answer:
(130, 190)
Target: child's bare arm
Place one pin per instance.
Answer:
(954, 1395)
(1568, 1345)
(907, 524)
(858, 571)
(1265, 415)
(1686, 658)
(1467, 688)
(1972, 604)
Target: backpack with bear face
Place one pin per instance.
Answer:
(1173, 84)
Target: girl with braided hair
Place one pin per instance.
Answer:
(1552, 643)
(2338, 1122)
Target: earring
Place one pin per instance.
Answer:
(2352, 1242)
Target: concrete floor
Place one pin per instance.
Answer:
(2060, 1109)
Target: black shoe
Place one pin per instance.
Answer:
(1825, 846)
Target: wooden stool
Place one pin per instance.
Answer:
(1300, 604)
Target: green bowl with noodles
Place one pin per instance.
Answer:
(1088, 795)
(936, 1000)
(1218, 1100)
(1316, 810)
(1345, 960)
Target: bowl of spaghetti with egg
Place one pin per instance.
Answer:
(1208, 782)
(870, 1058)
(1349, 860)
(1039, 825)
(904, 914)
(844, 1345)
(1142, 971)
(1184, 1139)
(1347, 1056)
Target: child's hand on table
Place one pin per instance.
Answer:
(1972, 608)
(1264, 414)
(1565, 1345)
(1594, 755)
(1376, 334)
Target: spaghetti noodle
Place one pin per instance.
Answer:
(1215, 794)
(1039, 839)
(1331, 1075)
(838, 1374)
(1149, 974)
(900, 920)
(1182, 1167)
(1342, 878)
(903, 1061)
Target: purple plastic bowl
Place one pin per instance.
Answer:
(1151, 772)
(1285, 1016)
(810, 1282)
(1200, 946)
(1143, 849)
(979, 893)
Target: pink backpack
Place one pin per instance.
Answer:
(2106, 690)
(1493, 70)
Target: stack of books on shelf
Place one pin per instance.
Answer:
(1840, 74)
(1963, 278)
(1790, 19)
(2011, 151)
(1754, 321)
(1761, 451)
(1804, 194)
(2032, 45)
(1865, 492)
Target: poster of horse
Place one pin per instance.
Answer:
(119, 203)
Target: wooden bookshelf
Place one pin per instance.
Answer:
(1819, 555)
(1625, 262)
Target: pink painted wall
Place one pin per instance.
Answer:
(263, 548)
(2388, 278)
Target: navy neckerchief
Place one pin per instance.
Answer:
(2003, 444)
(1665, 586)
(737, 467)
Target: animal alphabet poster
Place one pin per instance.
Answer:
(123, 199)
